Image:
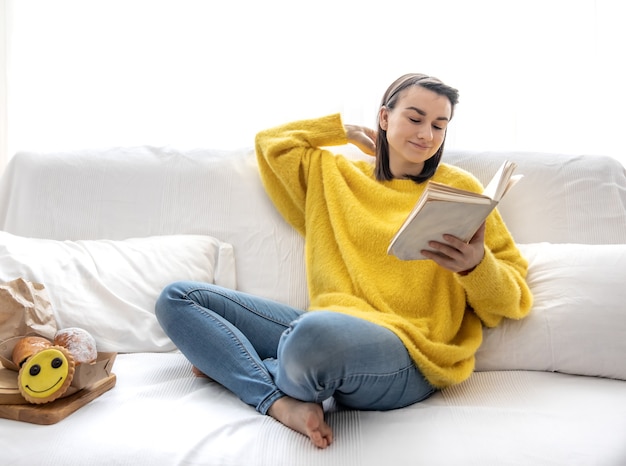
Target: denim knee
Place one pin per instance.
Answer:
(307, 342)
(164, 303)
(319, 336)
(362, 364)
(308, 353)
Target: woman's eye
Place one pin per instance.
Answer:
(414, 120)
(439, 128)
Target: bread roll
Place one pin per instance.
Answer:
(79, 342)
(28, 346)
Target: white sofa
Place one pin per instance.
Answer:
(105, 230)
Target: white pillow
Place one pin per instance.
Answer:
(109, 288)
(578, 321)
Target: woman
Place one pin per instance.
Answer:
(380, 333)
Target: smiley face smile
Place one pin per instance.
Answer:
(45, 389)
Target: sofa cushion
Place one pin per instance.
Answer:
(578, 321)
(561, 198)
(109, 287)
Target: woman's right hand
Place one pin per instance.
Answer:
(362, 137)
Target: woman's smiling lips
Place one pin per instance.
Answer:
(419, 146)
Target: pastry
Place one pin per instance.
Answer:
(46, 375)
(80, 343)
(28, 346)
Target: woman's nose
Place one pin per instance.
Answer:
(425, 133)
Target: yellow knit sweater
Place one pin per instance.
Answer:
(348, 219)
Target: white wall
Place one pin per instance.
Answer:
(541, 75)
(3, 84)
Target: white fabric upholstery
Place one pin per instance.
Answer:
(568, 214)
(561, 199)
(134, 192)
(158, 414)
(109, 287)
(578, 321)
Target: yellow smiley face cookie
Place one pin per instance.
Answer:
(45, 376)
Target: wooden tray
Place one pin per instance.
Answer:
(51, 413)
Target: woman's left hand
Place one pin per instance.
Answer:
(362, 137)
(456, 255)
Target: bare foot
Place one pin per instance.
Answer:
(198, 373)
(303, 417)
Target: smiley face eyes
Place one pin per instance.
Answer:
(35, 369)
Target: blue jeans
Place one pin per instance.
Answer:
(262, 350)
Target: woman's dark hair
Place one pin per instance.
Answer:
(382, 170)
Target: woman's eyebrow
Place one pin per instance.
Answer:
(423, 113)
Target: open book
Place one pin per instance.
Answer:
(443, 209)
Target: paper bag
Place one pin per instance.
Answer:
(25, 309)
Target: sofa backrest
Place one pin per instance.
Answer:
(144, 191)
(561, 199)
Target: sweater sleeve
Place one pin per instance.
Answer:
(284, 154)
(497, 287)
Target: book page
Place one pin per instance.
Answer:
(499, 184)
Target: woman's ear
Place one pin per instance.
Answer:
(383, 118)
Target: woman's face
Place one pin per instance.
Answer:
(416, 128)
